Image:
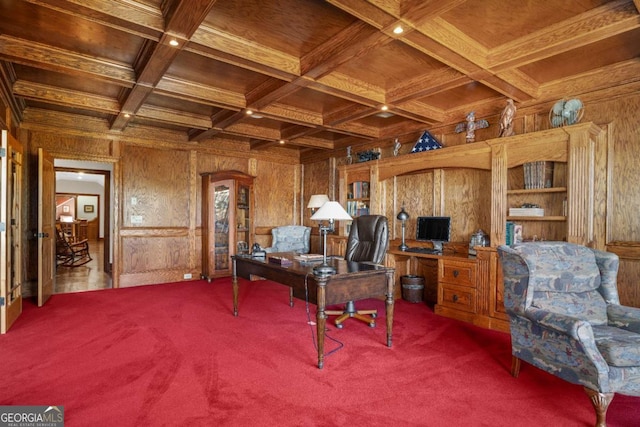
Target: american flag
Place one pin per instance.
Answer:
(425, 143)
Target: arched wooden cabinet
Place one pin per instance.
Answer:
(227, 220)
(574, 207)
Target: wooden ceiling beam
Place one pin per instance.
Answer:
(292, 132)
(622, 73)
(183, 19)
(609, 19)
(166, 115)
(63, 61)
(65, 97)
(347, 114)
(427, 84)
(354, 41)
(200, 94)
(270, 91)
(135, 18)
(251, 52)
(7, 79)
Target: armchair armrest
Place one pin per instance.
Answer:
(579, 330)
(624, 317)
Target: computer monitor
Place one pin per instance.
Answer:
(436, 229)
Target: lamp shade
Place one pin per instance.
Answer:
(317, 200)
(329, 211)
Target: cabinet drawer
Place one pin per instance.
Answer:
(458, 297)
(458, 272)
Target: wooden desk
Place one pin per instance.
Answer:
(352, 281)
(467, 288)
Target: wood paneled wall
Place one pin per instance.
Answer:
(157, 236)
(162, 172)
(463, 194)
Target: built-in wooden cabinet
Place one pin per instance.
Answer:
(356, 192)
(471, 289)
(227, 220)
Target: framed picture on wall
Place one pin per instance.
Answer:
(65, 208)
(88, 208)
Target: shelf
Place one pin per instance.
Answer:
(538, 190)
(549, 218)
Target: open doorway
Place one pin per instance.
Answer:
(83, 210)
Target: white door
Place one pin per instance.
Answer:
(10, 231)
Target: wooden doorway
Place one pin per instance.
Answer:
(101, 207)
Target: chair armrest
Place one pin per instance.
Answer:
(83, 242)
(579, 330)
(624, 317)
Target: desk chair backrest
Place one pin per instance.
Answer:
(368, 239)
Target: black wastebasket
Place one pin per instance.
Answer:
(412, 288)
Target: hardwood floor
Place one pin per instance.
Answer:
(88, 277)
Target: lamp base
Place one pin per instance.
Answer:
(403, 247)
(324, 270)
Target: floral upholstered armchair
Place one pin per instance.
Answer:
(566, 318)
(290, 238)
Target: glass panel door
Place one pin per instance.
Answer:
(221, 204)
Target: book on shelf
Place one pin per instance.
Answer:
(508, 237)
(526, 212)
(513, 233)
(358, 190)
(538, 174)
(357, 208)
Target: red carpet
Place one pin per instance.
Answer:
(174, 355)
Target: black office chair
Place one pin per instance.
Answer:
(368, 242)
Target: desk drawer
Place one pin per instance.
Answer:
(459, 272)
(457, 297)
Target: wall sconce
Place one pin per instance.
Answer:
(403, 216)
(316, 201)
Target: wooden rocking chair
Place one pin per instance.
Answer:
(68, 253)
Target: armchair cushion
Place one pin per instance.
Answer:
(619, 347)
(624, 317)
(566, 280)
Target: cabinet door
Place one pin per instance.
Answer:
(243, 220)
(221, 220)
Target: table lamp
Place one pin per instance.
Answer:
(316, 201)
(403, 216)
(330, 211)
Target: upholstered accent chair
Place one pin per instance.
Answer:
(367, 242)
(290, 238)
(566, 318)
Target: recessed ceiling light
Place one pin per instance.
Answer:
(398, 30)
(173, 42)
(384, 107)
(249, 112)
(127, 115)
(281, 141)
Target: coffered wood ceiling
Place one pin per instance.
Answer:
(315, 73)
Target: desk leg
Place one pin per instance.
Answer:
(389, 304)
(321, 316)
(234, 283)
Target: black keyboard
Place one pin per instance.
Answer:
(423, 250)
